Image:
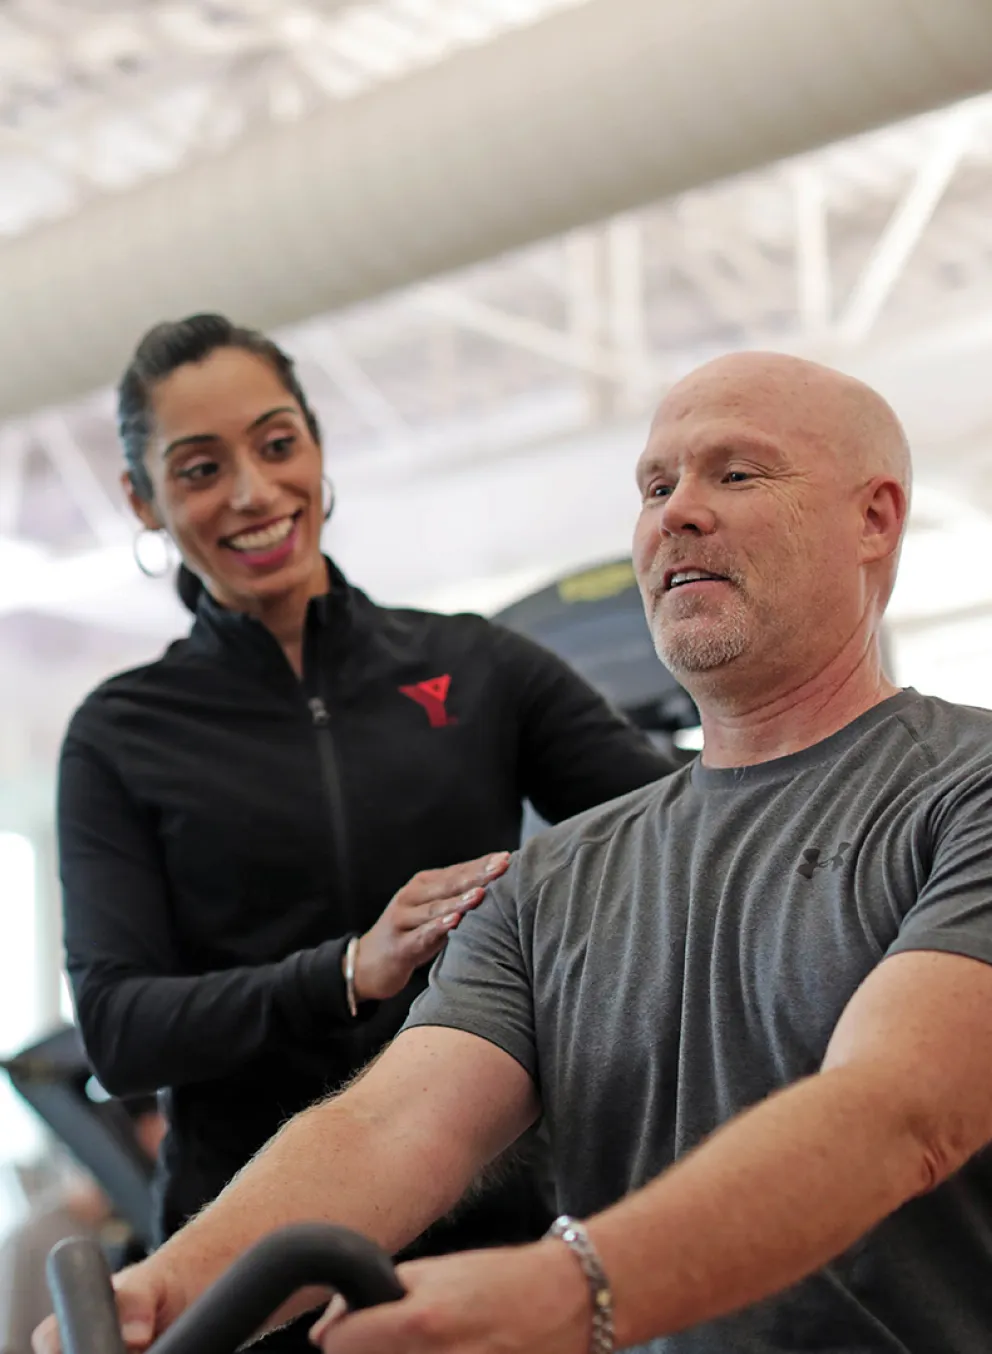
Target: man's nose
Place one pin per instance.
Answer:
(687, 510)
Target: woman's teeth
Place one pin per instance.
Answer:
(264, 539)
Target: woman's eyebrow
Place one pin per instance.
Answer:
(202, 439)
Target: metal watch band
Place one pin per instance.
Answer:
(350, 955)
(576, 1238)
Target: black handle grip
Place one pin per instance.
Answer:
(241, 1300)
(83, 1299)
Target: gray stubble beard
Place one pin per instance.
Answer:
(701, 650)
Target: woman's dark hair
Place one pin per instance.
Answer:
(162, 350)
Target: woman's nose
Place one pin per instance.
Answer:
(253, 490)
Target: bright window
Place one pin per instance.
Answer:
(20, 1133)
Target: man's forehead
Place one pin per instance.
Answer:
(727, 404)
(761, 398)
(705, 431)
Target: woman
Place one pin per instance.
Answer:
(251, 828)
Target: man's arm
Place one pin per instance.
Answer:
(902, 1101)
(386, 1157)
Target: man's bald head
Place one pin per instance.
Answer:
(846, 419)
(787, 483)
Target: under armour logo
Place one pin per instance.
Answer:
(812, 862)
(431, 696)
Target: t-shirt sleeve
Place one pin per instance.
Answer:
(481, 982)
(953, 912)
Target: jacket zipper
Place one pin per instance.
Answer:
(331, 777)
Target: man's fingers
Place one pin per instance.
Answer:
(137, 1328)
(136, 1318)
(372, 1331)
(136, 1312)
(333, 1312)
(45, 1339)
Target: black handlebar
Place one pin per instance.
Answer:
(240, 1302)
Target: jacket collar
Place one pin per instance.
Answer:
(332, 623)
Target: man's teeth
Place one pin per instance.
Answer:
(262, 540)
(691, 576)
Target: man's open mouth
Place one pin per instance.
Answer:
(678, 578)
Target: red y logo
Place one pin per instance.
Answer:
(431, 695)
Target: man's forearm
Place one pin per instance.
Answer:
(770, 1198)
(338, 1162)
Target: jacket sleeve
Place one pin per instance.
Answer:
(575, 750)
(145, 1022)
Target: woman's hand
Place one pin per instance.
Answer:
(415, 925)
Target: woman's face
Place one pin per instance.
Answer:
(236, 477)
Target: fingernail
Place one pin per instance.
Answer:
(134, 1332)
(469, 897)
(494, 862)
(450, 919)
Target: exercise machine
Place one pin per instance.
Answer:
(237, 1305)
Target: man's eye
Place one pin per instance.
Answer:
(659, 491)
(736, 477)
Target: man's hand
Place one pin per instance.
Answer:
(416, 923)
(526, 1299)
(149, 1298)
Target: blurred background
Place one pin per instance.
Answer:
(492, 232)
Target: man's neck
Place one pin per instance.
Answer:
(788, 717)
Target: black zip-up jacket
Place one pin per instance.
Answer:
(225, 827)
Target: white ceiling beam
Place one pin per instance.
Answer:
(588, 304)
(813, 272)
(518, 331)
(895, 246)
(628, 317)
(103, 516)
(14, 448)
(357, 387)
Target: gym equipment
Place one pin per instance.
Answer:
(54, 1077)
(231, 1311)
(594, 619)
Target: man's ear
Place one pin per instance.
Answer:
(143, 508)
(884, 518)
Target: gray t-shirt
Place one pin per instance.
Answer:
(663, 962)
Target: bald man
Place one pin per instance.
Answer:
(752, 1002)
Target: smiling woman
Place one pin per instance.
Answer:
(268, 834)
(232, 470)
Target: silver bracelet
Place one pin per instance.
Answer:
(576, 1238)
(350, 956)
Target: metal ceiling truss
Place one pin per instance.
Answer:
(876, 244)
(96, 97)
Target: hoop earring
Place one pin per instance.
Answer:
(136, 550)
(329, 497)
